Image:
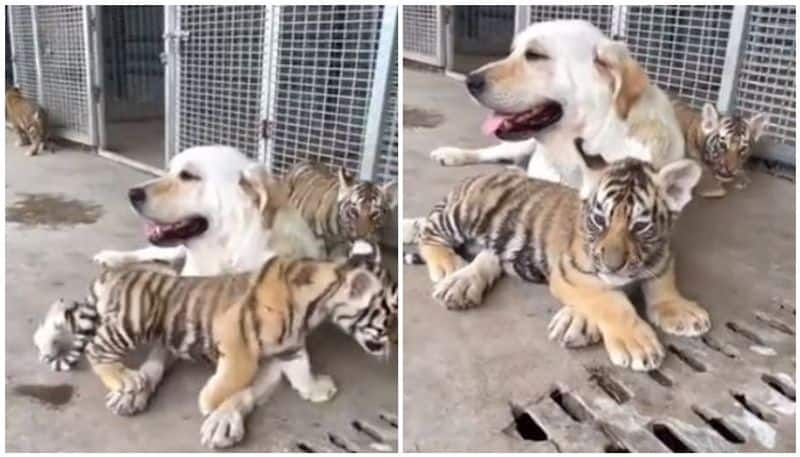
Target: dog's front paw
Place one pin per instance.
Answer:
(111, 259)
(222, 429)
(132, 397)
(460, 290)
(633, 344)
(572, 329)
(450, 156)
(680, 317)
(321, 389)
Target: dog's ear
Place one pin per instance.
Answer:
(709, 119)
(758, 124)
(628, 79)
(389, 190)
(266, 190)
(676, 181)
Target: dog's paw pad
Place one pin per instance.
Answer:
(322, 389)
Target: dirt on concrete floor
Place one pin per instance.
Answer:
(487, 379)
(61, 209)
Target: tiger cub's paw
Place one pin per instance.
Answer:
(633, 344)
(321, 389)
(460, 290)
(132, 397)
(680, 317)
(222, 428)
(572, 329)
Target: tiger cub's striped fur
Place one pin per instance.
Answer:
(339, 208)
(586, 245)
(232, 321)
(723, 143)
(28, 120)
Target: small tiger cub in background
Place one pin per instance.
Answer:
(28, 120)
(722, 143)
(337, 207)
(233, 321)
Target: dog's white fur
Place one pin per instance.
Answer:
(237, 240)
(605, 96)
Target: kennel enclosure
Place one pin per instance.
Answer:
(741, 58)
(281, 83)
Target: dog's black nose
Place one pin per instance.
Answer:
(475, 83)
(137, 195)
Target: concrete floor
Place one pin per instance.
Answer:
(463, 370)
(142, 141)
(70, 189)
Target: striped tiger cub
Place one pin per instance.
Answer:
(722, 143)
(338, 207)
(28, 120)
(233, 321)
(586, 244)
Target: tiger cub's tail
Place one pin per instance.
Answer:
(65, 332)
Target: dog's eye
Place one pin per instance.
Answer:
(187, 176)
(533, 55)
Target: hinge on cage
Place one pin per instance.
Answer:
(266, 128)
(179, 34)
(96, 91)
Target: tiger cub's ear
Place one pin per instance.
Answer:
(389, 190)
(676, 180)
(757, 124)
(265, 189)
(346, 181)
(709, 120)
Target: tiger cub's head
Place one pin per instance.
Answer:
(728, 140)
(369, 306)
(364, 207)
(628, 212)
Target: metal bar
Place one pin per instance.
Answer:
(733, 54)
(522, 18)
(14, 66)
(99, 82)
(618, 14)
(380, 88)
(269, 82)
(37, 52)
(447, 26)
(88, 65)
(171, 94)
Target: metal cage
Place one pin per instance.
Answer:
(423, 34)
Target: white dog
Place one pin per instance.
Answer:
(565, 80)
(220, 213)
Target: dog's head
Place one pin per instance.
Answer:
(209, 192)
(556, 71)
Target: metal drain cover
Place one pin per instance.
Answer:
(378, 434)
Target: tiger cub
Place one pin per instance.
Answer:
(722, 143)
(338, 207)
(586, 244)
(28, 120)
(233, 321)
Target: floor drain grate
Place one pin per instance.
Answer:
(667, 436)
(725, 430)
(760, 411)
(612, 387)
(526, 426)
(360, 435)
(570, 405)
(782, 386)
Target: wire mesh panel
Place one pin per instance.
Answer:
(387, 156)
(220, 60)
(62, 48)
(24, 53)
(766, 82)
(600, 16)
(133, 71)
(422, 34)
(325, 61)
(681, 47)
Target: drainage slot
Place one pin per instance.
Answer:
(526, 426)
(688, 359)
(659, 377)
(746, 332)
(782, 387)
(757, 410)
(719, 425)
(303, 447)
(570, 405)
(609, 385)
(720, 347)
(615, 447)
(340, 443)
(669, 438)
(775, 323)
(367, 429)
(390, 419)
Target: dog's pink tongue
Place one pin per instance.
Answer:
(492, 123)
(151, 229)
